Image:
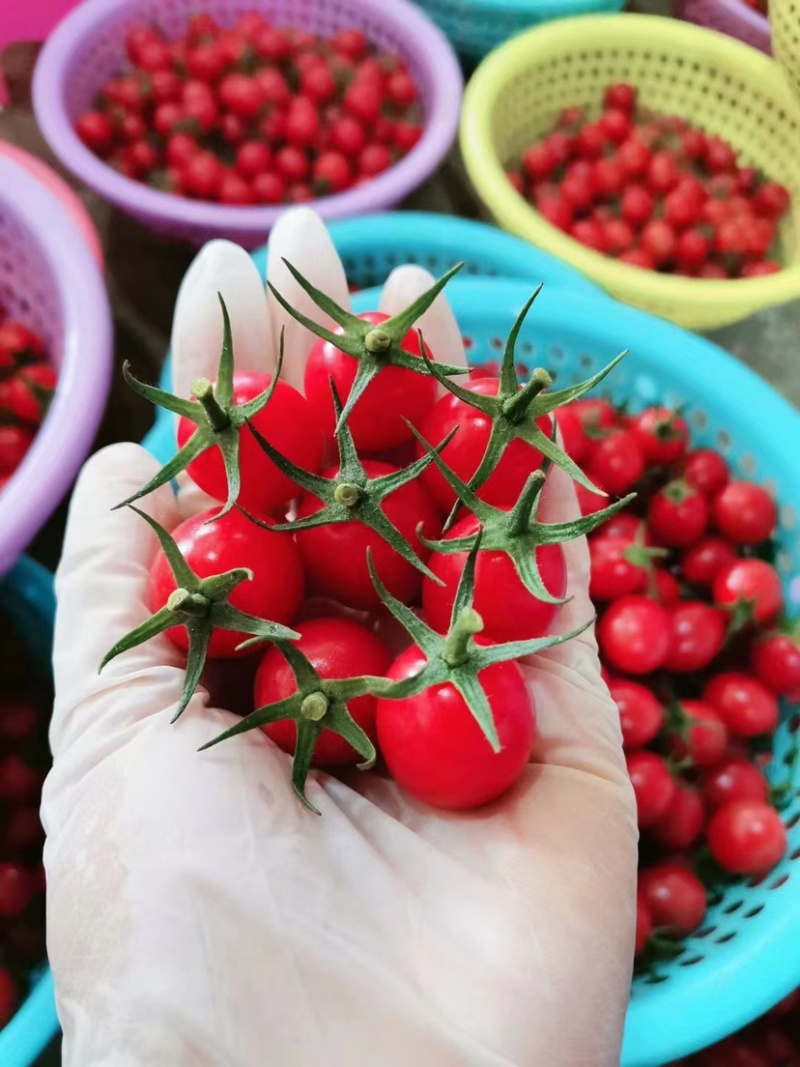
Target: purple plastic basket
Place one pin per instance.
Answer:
(49, 279)
(88, 47)
(732, 17)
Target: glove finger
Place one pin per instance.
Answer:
(220, 267)
(101, 588)
(438, 324)
(300, 237)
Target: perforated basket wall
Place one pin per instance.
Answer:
(475, 27)
(88, 47)
(785, 18)
(733, 17)
(719, 84)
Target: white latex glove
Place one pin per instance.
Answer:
(199, 915)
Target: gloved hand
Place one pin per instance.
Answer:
(199, 915)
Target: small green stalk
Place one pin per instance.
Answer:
(375, 347)
(201, 605)
(318, 704)
(456, 658)
(350, 496)
(218, 419)
(516, 533)
(515, 409)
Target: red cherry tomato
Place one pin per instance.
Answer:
(287, 422)
(224, 544)
(595, 414)
(634, 634)
(640, 714)
(747, 706)
(662, 434)
(377, 420)
(752, 582)
(617, 460)
(335, 555)
(573, 439)
(624, 524)
(682, 823)
(14, 444)
(653, 785)
(666, 588)
(775, 659)
(677, 515)
(418, 737)
(735, 779)
(745, 513)
(706, 470)
(703, 561)
(464, 453)
(336, 648)
(644, 925)
(746, 837)
(508, 609)
(19, 781)
(675, 896)
(705, 738)
(697, 633)
(612, 574)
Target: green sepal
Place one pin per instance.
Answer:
(201, 605)
(375, 346)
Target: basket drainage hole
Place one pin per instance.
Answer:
(496, 343)
(731, 908)
(795, 819)
(704, 931)
(691, 961)
(655, 979)
(795, 855)
(724, 938)
(751, 914)
(782, 880)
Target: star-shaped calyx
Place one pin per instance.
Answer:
(516, 532)
(319, 704)
(350, 496)
(456, 658)
(218, 418)
(374, 346)
(515, 408)
(201, 605)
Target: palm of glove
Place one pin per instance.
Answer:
(199, 915)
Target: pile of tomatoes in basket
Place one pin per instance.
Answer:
(653, 191)
(253, 114)
(695, 647)
(27, 381)
(23, 761)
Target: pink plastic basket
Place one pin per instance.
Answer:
(88, 47)
(732, 17)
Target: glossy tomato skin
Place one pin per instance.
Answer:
(746, 837)
(336, 648)
(612, 575)
(653, 785)
(775, 659)
(376, 421)
(675, 896)
(233, 541)
(508, 610)
(634, 634)
(750, 581)
(287, 422)
(335, 556)
(735, 779)
(705, 738)
(703, 561)
(640, 714)
(745, 512)
(682, 823)
(465, 452)
(436, 750)
(745, 704)
(697, 633)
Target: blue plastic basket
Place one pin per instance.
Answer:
(475, 27)
(28, 602)
(746, 957)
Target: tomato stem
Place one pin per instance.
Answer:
(184, 602)
(203, 392)
(456, 647)
(516, 407)
(377, 341)
(314, 706)
(347, 494)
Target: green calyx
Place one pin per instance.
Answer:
(517, 533)
(515, 408)
(218, 419)
(374, 346)
(201, 605)
(318, 704)
(351, 496)
(456, 658)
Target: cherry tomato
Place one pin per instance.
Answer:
(508, 610)
(335, 555)
(697, 633)
(751, 582)
(747, 706)
(418, 736)
(703, 561)
(625, 525)
(746, 837)
(18, 780)
(682, 823)
(376, 421)
(617, 460)
(644, 925)
(704, 739)
(212, 547)
(573, 439)
(612, 573)
(640, 714)
(678, 515)
(14, 444)
(464, 453)
(775, 659)
(675, 896)
(287, 422)
(666, 588)
(634, 634)
(595, 414)
(745, 513)
(735, 779)
(15, 890)
(653, 785)
(706, 470)
(662, 434)
(336, 648)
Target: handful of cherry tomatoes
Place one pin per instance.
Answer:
(27, 382)
(253, 114)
